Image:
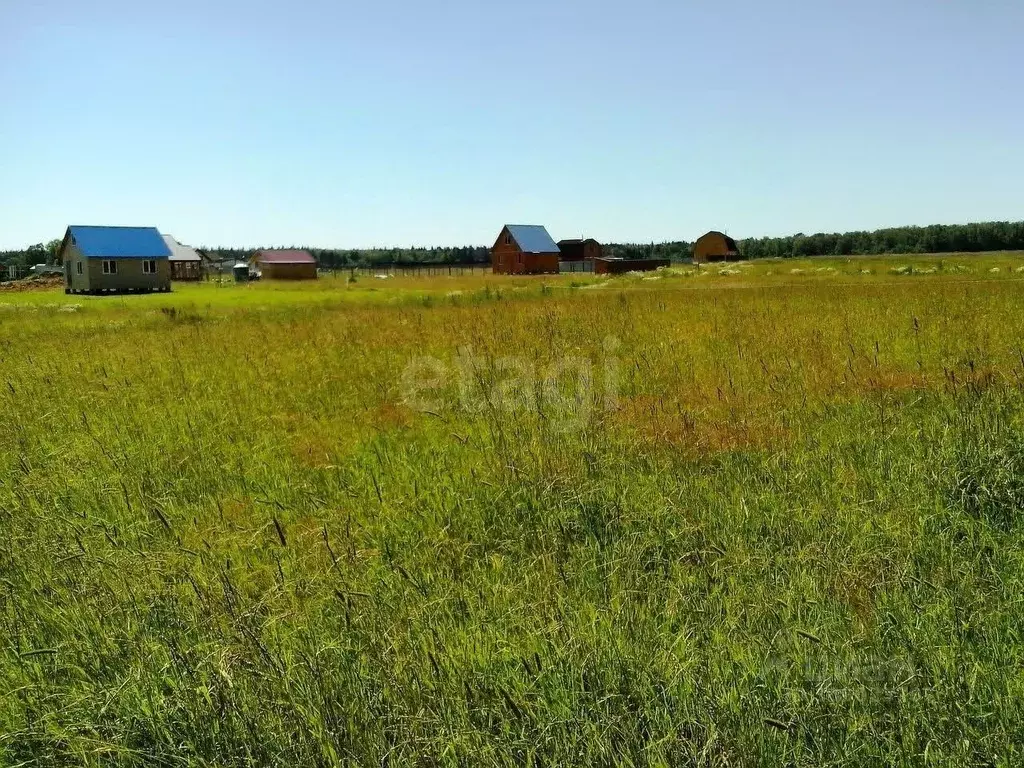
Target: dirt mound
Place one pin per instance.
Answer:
(32, 284)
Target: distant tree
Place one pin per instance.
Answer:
(36, 254)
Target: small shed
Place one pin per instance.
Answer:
(186, 263)
(284, 264)
(715, 246)
(524, 249)
(115, 260)
(581, 249)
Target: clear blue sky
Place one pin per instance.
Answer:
(393, 122)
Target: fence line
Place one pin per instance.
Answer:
(14, 272)
(408, 270)
(581, 265)
(395, 270)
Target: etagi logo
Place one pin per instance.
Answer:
(566, 391)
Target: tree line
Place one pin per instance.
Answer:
(331, 258)
(40, 253)
(938, 238)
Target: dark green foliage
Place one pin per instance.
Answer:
(676, 251)
(939, 238)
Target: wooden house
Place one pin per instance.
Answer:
(580, 250)
(115, 260)
(284, 264)
(186, 263)
(524, 249)
(715, 246)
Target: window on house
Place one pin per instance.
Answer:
(109, 267)
(508, 239)
(78, 267)
(149, 267)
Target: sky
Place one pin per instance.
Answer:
(409, 123)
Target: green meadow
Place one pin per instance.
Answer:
(754, 514)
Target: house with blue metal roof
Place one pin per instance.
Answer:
(524, 249)
(115, 260)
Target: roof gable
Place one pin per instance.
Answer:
(180, 252)
(118, 242)
(532, 238)
(729, 242)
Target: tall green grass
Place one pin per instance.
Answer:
(228, 539)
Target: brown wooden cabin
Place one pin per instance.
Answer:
(284, 265)
(603, 266)
(715, 246)
(580, 250)
(186, 263)
(524, 249)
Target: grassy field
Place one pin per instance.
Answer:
(748, 515)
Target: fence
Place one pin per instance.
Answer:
(14, 272)
(582, 265)
(620, 266)
(408, 270)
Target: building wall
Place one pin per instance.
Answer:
(72, 280)
(540, 264)
(186, 270)
(505, 255)
(287, 271)
(518, 263)
(129, 277)
(571, 251)
(713, 247)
